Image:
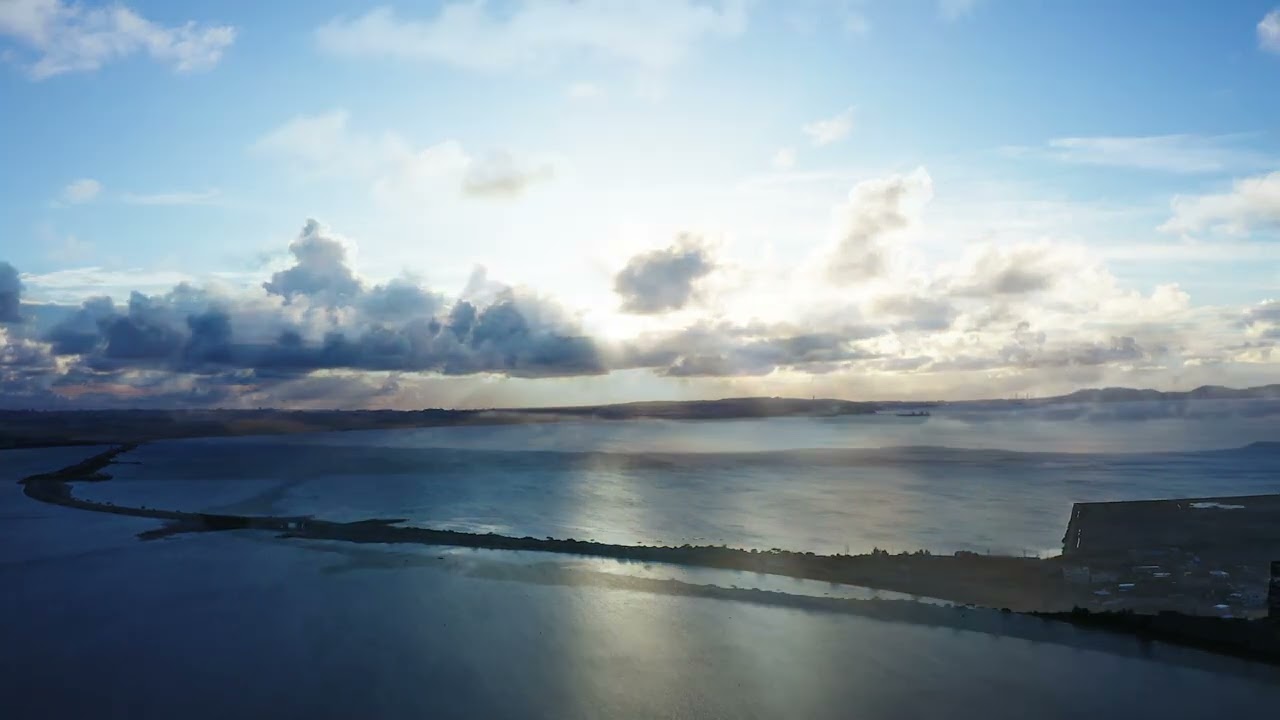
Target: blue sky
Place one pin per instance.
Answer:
(1130, 149)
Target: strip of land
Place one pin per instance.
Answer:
(967, 578)
(31, 428)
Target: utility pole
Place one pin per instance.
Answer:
(1273, 596)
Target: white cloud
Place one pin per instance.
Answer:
(325, 146)
(874, 211)
(1252, 202)
(69, 37)
(206, 197)
(1269, 32)
(409, 179)
(830, 130)
(81, 191)
(955, 9)
(584, 91)
(986, 317)
(784, 158)
(1189, 154)
(478, 36)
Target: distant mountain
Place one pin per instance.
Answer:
(1204, 392)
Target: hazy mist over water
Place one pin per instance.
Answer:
(1108, 428)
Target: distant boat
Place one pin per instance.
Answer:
(916, 413)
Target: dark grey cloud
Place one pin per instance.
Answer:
(10, 294)
(209, 338)
(144, 332)
(502, 338)
(82, 332)
(320, 270)
(399, 326)
(663, 280)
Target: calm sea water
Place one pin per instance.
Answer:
(1000, 484)
(99, 624)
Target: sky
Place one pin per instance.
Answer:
(542, 202)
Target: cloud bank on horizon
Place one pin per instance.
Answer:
(481, 236)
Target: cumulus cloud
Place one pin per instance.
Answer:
(320, 270)
(830, 130)
(402, 298)
(81, 191)
(1020, 269)
(1251, 203)
(1269, 32)
(81, 332)
(10, 294)
(318, 315)
(61, 37)
(481, 36)
(664, 280)
(875, 209)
